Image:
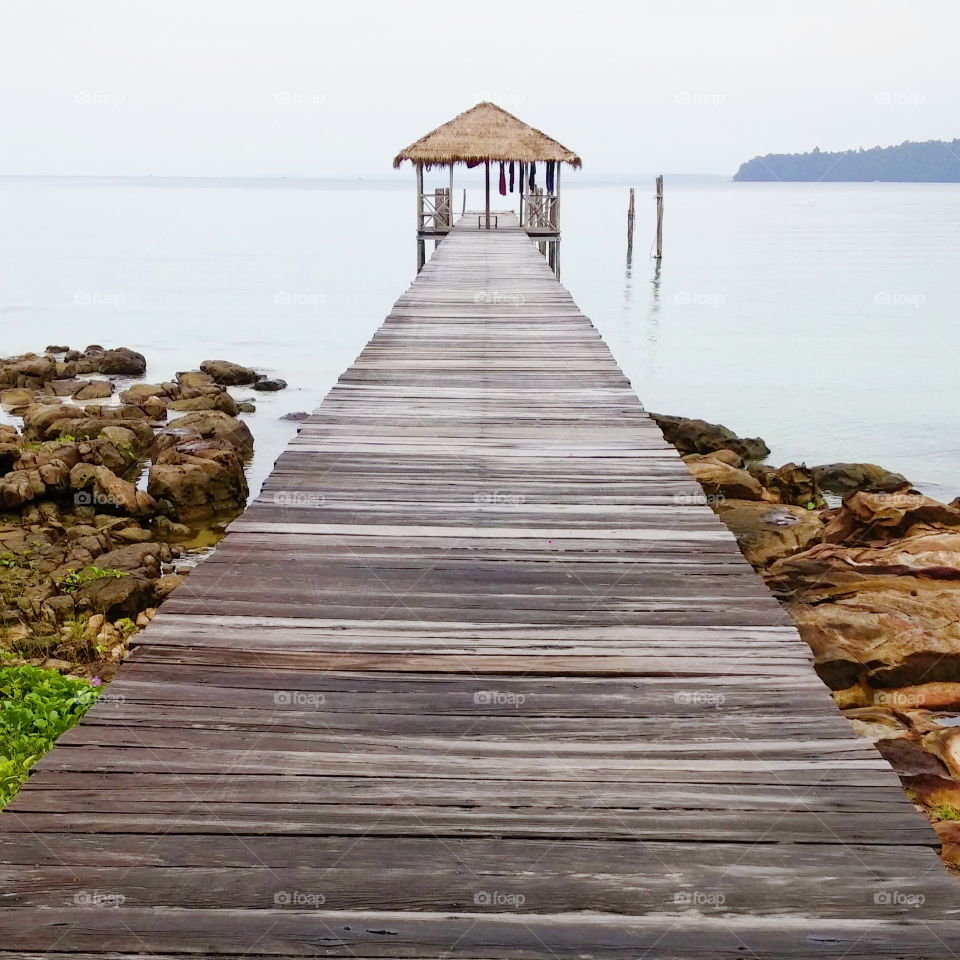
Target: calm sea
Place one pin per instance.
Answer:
(822, 317)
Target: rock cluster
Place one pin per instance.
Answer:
(873, 586)
(89, 535)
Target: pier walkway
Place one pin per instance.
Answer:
(477, 676)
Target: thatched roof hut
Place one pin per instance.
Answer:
(488, 134)
(485, 132)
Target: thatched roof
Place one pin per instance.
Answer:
(485, 132)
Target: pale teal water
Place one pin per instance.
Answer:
(821, 317)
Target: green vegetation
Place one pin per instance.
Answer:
(934, 161)
(73, 581)
(945, 812)
(36, 706)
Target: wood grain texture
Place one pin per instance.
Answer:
(478, 675)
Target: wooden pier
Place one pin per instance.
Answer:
(478, 675)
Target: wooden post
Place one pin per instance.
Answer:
(450, 209)
(659, 253)
(630, 218)
(556, 203)
(421, 245)
(486, 169)
(520, 188)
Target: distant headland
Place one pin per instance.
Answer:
(933, 161)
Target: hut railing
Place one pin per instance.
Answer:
(435, 210)
(541, 210)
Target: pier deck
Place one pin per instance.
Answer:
(477, 676)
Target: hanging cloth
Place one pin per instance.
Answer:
(473, 163)
(550, 176)
(533, 176)
(511, 176)
(503, 180)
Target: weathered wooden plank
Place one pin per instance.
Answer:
(481, 674)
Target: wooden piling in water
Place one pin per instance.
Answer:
(659, 253)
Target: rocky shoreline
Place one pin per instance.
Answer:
(869, 571)
(110, 489)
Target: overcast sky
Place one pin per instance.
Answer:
(297, 88)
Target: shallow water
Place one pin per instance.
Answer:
(819, 316)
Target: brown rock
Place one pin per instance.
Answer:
(698, 436)
(929, 696)
(154, 407)
(94, 390)
(228, 374)
(122, 361)
(44, 421)
(125, 411)
(138, 392)
(866, 517)
(720, 479)
(170, 531)
(98, 486)
(19, 487)
(166, 585)
(792, 483)
(194, 378)
(908, 758)
(90, 428)
(133, 535)
(211, 401)
(767, 532)
(214, 425)
(718, 456)
(16, 399)
(117, 597)
(200, 479)
(270, 384)
(844, 478)
(945, 744)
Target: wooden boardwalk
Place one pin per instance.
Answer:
(477, 676)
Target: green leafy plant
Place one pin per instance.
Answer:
(36, 706)
(125, 625)
(76, 579)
